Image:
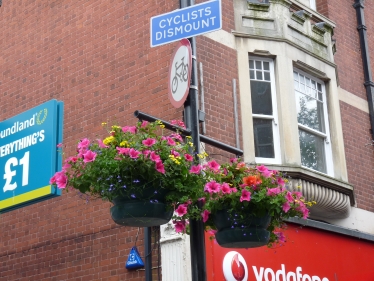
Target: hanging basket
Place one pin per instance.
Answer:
(249, 234)
(145, 210)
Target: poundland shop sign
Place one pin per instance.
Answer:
(187, 22)
(28, 155)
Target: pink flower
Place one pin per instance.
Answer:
(89, 156)
(202, 199)
(205, 214)
(181, 210)
(212, 232)
(59, 145)
(180, 226)
(66, 166)
(178, 123)
(53, 179)
(234, 190)
(213, 165)
(160, 167)
(131, 129)
(188, 157)
(171, 142)
(177, 137)
(264, 171)
(280, 236)
(60, 179)
(281, 182)
(298, 194)
(133, 153)
(246, 196)
(233, 160)
(289, 197)
(175, 153)
(226, 188)
(101, 144)
(212, 187)
(286, 207)
(122, 150)
(144, 124)
(84, 144)
(149, 142)
(195, 169)
(71, 159)
(146, 153)
(273, 191)
(154, 157)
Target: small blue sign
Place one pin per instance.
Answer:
(28, 155)
(186, 22)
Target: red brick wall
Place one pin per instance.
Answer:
(95, 56)
(356, 124)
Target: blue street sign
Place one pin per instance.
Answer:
(28, 155)
(187, 22)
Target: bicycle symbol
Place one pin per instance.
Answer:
(181, 71)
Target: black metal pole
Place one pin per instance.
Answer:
(148, 253)
(198, 264)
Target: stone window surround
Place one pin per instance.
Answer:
(287, 57)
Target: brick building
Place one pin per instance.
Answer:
(303, 84)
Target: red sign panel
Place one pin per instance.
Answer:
(309, 255)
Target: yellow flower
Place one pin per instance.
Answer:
(190, 143)
(158, 122)
(123, 143)
(116, 127)
(206, 154)
(189, 137)
(171, 156)
(108, 140)
(103, 124)
(162, 126)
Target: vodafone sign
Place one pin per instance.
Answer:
(235, 269)
(179, 77)
(308, 255)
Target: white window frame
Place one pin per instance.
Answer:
(326, 135)
(313, 4)
(274, 117)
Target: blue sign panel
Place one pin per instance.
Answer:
(28, 155)
(187, 22)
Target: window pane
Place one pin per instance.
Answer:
(261, 97)
(266, 65)
(251, 64)
(267, 76)
(310, 112)
(258, 65)
(312, 151)
(252, 74)
(263, 133)
(258, 75)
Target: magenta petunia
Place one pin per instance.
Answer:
(131, 129)
(101, 144)
(146, 153)
(61, 179)
(280, 236)
(171, 142)
(160, 167)
(286, 207)
(225, 188)
(212, 187)
(149, 142)
(59, 145)
(281, 181)
(213, 165)
(180, 226)
(273, 191)
(144, 124)
(246, 196)
(289, 197)
(195, 169)
(154, 157)
(181, 210)
(122, 150)
(188, 157)
(133, 153)
(84, 144)
(89, 156)
(175, 153)
(205, 215)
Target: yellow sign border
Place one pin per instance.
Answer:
(22, 198)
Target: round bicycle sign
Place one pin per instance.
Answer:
(180, 73)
